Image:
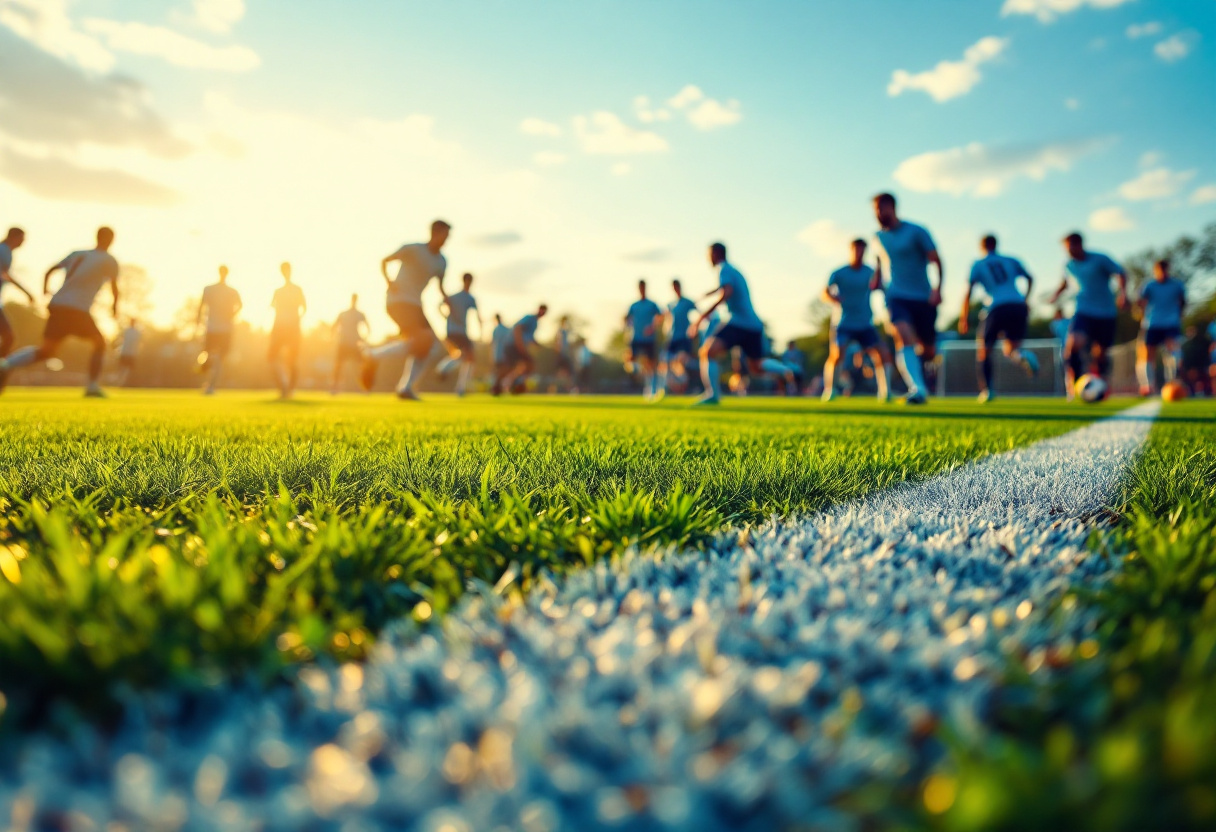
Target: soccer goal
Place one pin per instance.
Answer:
(956, 375)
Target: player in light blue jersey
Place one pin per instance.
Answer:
(519, 359)
(1162, 304)
(456, 307)
(1092, 330)
(906, 250)
(679, 340)
(642, 320)
(500, 339)
(12, 241)
(564, 346)
(848, 293)
(1005, 314)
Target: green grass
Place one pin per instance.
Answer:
(164, 537)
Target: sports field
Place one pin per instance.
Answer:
(161, 549)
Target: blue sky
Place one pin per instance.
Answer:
(330, 132)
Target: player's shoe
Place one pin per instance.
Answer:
(1030, 364)
(915, 399)
(707, 400)
(367, 373)
(657, 396)
(94, 393)
(828, 395)
(985, 397)
(408, 395)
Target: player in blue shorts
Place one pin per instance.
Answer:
(642, 319)
(1005, 314)
(742, 330)
(679, 340)
(563, 345)
(906, 250)
(519, 360)
(1162, 303)
(1092, 329)
(457, 307)
(848, 293)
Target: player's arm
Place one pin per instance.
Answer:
(935, 296)
(7, 277)
(481, 327)
(46, 278)
(1060, 290)
(876, 280)
(964, 315)
(517, 332)
(114, 292)
(1121, 295)
(830, 297)
(198, 313)
(395, 257)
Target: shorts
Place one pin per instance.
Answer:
(864, 337)
(65, 321)
(1100, 331)
(412, 323)
(1155, 336)
(285, 338)
(349, 352)
(1008, 320)
(678, 345)
(750, 341)
(514, 356)
(126, 362)
(461, 342)
(644, 349)
(565, 364)
(918, 314)
(217, 343)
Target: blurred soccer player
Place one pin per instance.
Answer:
(500, 341)
(907, 249)
(848, 293)
(795, 359)
(519, 360)
(642, 319)
(1005, 314)
(350, 331)
(1162, 303)
(1092, 329)
(679, 341)
(128, 350)
(564, 345)
(12, 241)
(222, 303)
(458, 307)
(583, 358)
(85, 272)
(284, 353)
(418, 263)
(743, 330)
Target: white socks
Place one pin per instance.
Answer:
(415, 369)
(390, 350)
(910, 368)
(883, 380)
(774, 367)
(1169, 363)
(711, 377)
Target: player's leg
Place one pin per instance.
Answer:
(713, 348)
(293, 362)
(467, 360)
(829, 367)
(906, 359)
(1146, 364)
(96, 361)
(1171, 358)
(424, 352)
(1076, 346)
(393, 348)
(216, 344)
(1102, 341)
(882, 369)
(6, 335)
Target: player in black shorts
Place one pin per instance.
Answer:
(1005, 312)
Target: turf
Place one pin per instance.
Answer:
(163, 537)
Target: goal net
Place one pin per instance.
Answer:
(957, 371)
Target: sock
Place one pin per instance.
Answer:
(829, 376)
(773, 366)
(883, 380)
(390, 350)
(22, 358)
(418, 368)
(910, 369)
(446, 365)
(407, 372)
(647, 383)
(1142, 374)
(462, 380)
(711, 377)
(1169, 364)
(985, 368)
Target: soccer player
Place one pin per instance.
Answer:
(583, 358)
(848, 293)
(128, 350)
(642, 320)
(460, 346)
(519, 359)
(1005, 314)
(743, 330)
(222, 304)
(289, 307)
(795, 359)
(12, 241)
(1093, 322)
(85, 272)
(418, 263)
(350, 330)
(564, 346)
(906, 250)
(679, 340)
(1162, 303)
(500, 340)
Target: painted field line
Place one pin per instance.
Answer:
(750, 687)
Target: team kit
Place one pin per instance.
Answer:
(666, 345)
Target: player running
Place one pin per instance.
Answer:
(642, 319)
(519, 360)
(350, 331)
(1005, 314)
(12, 241)
(564, 346)
(1162, 303)
(460, 346)
(128, 350)
(679, 340)
(795, 359)
(222, 303)
(284, 352)
(85, 272)
(419, 262)
(1093, 322)
(848, 293)
(912, 301)
(500, 340)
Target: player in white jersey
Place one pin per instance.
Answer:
(222, 303)
(12, 240)
(1005, 315)
(85, 272)
(128, 350)
(500, 340)
(456, 308)
(417, 264)
(519, 359)
(284, 353)
(350, 331)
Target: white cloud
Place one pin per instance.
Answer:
(827, 239)
(621, 169)
(171, 46)
(1048, 10)
(711, 114)
(218, 16)
(1143, 30)
(539, 127)
(1157, 183)
(950, 79)
(689, 95)
(496, 239)
(1113, 218)
(647, 113)
(1204, 194)
(45, 23)
(1072, 104)
(58, 179)
(980, 170)
(548, 158)
(1176, 47)
(603, 133)
(1149, 159)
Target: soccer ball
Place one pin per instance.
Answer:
(1090, 389)
(1174, 391)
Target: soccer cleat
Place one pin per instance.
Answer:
(657, 396)
(94, 393)
(828, 395)
(1030, 363)
(367, 373)
(707, 400)
(408, 395)
(985, 397)
(914, 399)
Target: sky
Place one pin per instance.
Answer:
(576, 147)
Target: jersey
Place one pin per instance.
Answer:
(739, 304)
(998, 276)
(348, 326)
(1164, 300)
(287, 302)
(85, 273)
(906, 249)
(6, 258)
(680, 310)
(222, 303)
(1095, 299)
(499, 340)
(128, 345)
(459, 306)
(418, 265)
(853, 290)
(642, 316)
(528, 324)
